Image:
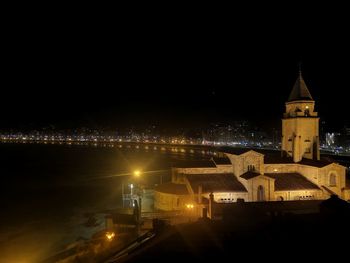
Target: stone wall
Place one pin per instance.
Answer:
(266, 183)
(246, 162)
(339, 173)
(170, 202)
(227, 197)
(299, 136)
(298, 195)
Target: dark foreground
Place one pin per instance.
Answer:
(277, 238)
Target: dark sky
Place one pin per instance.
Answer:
(72, 71)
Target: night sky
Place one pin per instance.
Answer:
(75, 72)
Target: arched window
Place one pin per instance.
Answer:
(251, 167)
(261, 193)
(332, 180)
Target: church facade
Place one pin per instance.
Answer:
(297, 173)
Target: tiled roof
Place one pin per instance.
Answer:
(234, 150)
(316, 163)
(171, 188)
(194, 164)
(215, 182)
(248, 175)
(291, 181)
(300, 90)
(222, 160)
(277, 159)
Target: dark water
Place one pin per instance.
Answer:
(46, 191)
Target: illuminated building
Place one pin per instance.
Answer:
(298, 173)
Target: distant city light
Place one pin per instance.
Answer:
(237, 135)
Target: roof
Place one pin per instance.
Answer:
(316, 163)
(300, 90)
(291, 181)
(222, 161)
(215, 182)
(171, 188)
(194, 164)
(328, 190)
(277, 159)
(234, 150)
(248, 175)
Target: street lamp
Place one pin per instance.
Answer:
(137, 173)
(190, 210)
(110, 236)
(189, 206)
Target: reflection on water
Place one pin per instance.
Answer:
(171, 148)
(48, 193)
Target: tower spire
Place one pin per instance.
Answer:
(300, 63)
(300, 90)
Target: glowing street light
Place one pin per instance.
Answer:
(110, 236)
(189, 211)
(137, 173)
(189, 206)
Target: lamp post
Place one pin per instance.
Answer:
(131, 194)
(137, 174)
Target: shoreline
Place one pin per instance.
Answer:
(117, 144)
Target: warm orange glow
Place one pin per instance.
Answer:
(110, 236)
(189, 206)
(137, 173)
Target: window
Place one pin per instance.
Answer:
(261, 193)
(306, 197)
(251, 167)
(332, 180)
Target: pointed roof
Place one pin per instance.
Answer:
(300, 90)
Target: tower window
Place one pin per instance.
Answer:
(332, 180)
(251, 167)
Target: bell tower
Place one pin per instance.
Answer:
(300, 124)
